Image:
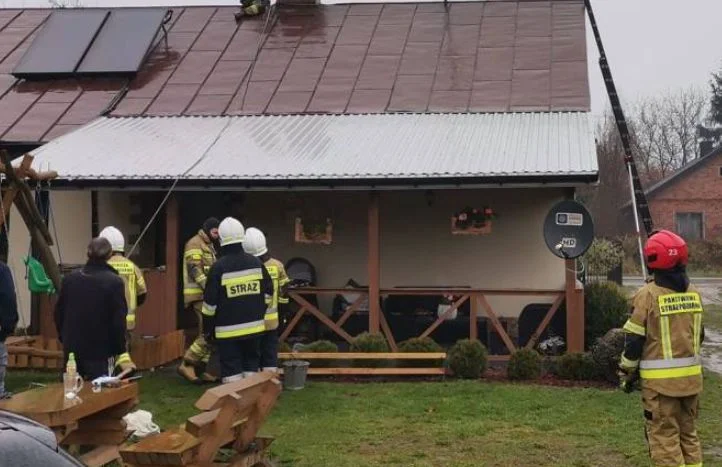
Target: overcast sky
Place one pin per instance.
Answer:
(653, 45)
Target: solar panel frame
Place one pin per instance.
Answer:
(124, 42)
(61, 44)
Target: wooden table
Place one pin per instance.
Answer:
(95, 420)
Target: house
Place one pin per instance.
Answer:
(385, 119)
(689, 201)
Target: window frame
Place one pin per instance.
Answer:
(703, 222)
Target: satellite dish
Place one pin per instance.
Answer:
(568, 229)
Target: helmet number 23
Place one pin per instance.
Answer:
(673, 252)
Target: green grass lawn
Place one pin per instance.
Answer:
(452, 423)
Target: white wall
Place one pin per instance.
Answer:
(417, 247)
(71, 210)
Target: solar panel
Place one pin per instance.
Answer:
(124, 41)
(61, 43)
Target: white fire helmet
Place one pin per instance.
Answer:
(115, 237)
(231, 231)
(255, 242)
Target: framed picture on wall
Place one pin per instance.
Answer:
(472, 221)
(313, 231)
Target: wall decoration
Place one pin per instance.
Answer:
(473, 221)
(310, 230)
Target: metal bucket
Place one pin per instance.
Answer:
(294, 374)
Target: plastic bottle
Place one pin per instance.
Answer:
(71, 367)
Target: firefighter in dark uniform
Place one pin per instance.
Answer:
(234, 304)
(663, 339)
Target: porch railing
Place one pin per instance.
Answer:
(477, 298)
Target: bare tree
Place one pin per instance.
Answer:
(665, 129)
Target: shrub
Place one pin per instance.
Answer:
(322, 346)
(420, 345)
(370, 343)
(705, 256)
(524, 364)
(467, 358)
(578, 367)
(607, 352)
(603, 255)
(284, 347)
(605, 307)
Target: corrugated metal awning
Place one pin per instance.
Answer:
(321, 148)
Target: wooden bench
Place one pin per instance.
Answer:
(231, 416)
(389, 371)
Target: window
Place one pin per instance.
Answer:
(690, 225)
(720, 171)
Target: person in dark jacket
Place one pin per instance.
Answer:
(234, 304)
(8, 320)
(91, 312)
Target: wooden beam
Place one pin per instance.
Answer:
(323, 318)
(446, 314)
(387, 332)
(473, 314)
(375, 371)
(496, 323)
(575, 309)
(362, 355)
(292, 324)
(545, 322)
(172, 247)
(374, 263)
(429, 291)
(351, 309)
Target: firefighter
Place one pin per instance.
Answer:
(135, 291)
(234, 304)
(662, 343)
(255, 245)
(198, 257)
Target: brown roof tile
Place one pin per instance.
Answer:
(476, 56)
(490, 96)
(58, 131)
(369, 101)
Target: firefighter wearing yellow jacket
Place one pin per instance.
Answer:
(234, 304)
(663, 339)
(255, 244)
(135, 291)
(198, 257)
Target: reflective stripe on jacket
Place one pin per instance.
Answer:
(198, 257)
(134, 284)
(671, 323)
(234, 301)
(280, 279)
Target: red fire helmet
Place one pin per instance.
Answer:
(665, 250)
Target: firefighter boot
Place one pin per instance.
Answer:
(188, 371)
(205, 376)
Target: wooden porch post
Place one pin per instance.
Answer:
(171, 261)
(374, 264)
(575, 309)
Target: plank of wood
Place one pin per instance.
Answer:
(171, 444)
(34, 352)
(387, 332)
(496, 323)
(375, 371)
(96, 437)
(545, 322)
(102, 424)
(37, 361)
(362, 355)
(53, 345)
(213, 396)
(260, 411)
(199, 425)
(292, 324)
(22, 358)
(351, 309)
(455, 306)
(473, 315)
(321, 317)
(19, 340)
(100, 456)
